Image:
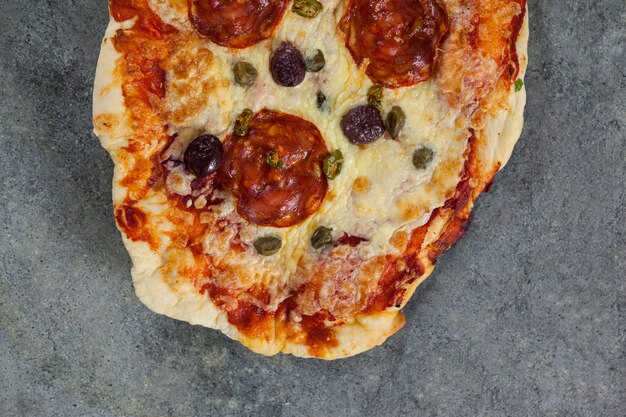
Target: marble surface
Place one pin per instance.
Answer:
(525, 316)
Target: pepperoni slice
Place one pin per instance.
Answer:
(236, 23)
(275, 170)
(397, 39)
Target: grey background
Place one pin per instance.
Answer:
(525, 316)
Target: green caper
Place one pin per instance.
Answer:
(245, 73)
(375, 96)
(267, 245)
(332, 164)
(417, 26)
(320, 99)
(316, 62)
(242, 122)
(421, 157)
(273, 160)
(395, 121)
(307, 8)
(322, 237)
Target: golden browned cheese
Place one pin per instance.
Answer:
(390, 222)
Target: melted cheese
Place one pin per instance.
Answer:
(397, 196)
(379, 195)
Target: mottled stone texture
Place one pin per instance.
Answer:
(525, 316)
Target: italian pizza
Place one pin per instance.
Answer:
(289, 171)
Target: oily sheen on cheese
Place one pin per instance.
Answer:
(396, 197)
(161, 84)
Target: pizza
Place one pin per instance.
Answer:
(289, 171)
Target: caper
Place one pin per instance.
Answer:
(421, 157)
(332, 164)
(242, 122)
(417, 26)
(321, 237)
(316, 62)
(307, 8)
(273, 160)
(267, 245)
(395, 121)
(245, 73)
(320, 99)
(375, 96)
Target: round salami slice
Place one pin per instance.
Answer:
(275, 170)
(397, 40)
(236, 24)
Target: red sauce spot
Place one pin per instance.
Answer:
(453, 233)
(310, 330)
(516, 26)
(157, 176)
(473, 36)
(493, 178)
(132, 221)
(319, 337)
(350, 240)
(147, 21)
(247, 317)
(392, 284)
(237, 245)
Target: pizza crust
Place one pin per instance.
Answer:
(501, 133)
(184, 302)
(112, 128)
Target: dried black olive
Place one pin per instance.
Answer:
(287, 65)
(363, 124)
(203, 155)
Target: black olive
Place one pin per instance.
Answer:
(422, 157)
(287, 65)
(363, 124)
(203, 155)
(267, 245)
(322, 237)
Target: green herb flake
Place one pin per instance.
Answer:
(273, 161)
